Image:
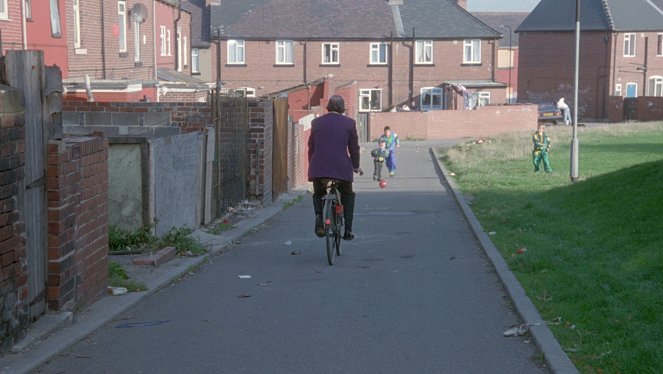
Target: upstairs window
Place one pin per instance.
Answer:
(659, 45)
(330, 53)
(122, 24)
(472, 51)
(28, 8)
(195, 61)
(162, 39)
(77, 25)
(629, 45)
(378, 54)
(4, 10)
(284, 52)
(236, 52)
(136, 42)
(424, 51)
(56, 31)
(370, 100)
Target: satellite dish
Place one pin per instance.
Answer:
(139, 13)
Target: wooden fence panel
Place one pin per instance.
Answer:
(280, 150)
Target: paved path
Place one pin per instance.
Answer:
(413, 293)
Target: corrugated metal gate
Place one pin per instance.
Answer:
(232, 133)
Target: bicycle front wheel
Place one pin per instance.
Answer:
(329, 217)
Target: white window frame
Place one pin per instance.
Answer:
(379, 53)
(162, 38)
(28, 8)
(632, 84)
(4, 9)
(483, 98)
(56, 29)
(77, 24)
(122, 24)
(178, 36)
(629, 44)
(370, 94)
(424, 52)
(331, 54)
(618, 89)
(659, 45)
(168, 43)
(136, 41)
(432, 92)
(195, 60)
(185, 51)
(472, 51)
(236, 52)
(284, 52)
(655, 85)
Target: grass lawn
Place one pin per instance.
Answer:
(594, 248)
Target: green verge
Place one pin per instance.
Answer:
(594, 248)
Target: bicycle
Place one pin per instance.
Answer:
(332, 218)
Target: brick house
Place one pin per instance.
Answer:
(382, 53)
(11, 29)
(507, 51)
(621, 52)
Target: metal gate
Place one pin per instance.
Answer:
(362, 126)
(630, 109)
(25, 70)
(232, 128)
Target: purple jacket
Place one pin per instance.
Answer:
(333, 147)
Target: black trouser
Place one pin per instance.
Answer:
(347, 199)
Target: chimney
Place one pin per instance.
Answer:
(462, 4)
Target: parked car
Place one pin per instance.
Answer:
(548, 112)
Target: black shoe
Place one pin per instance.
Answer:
(348, 235)
(319, 226)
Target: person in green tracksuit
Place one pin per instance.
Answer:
(541, 148)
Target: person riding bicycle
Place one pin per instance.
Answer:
(333, 152)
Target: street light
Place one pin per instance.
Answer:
(510, 89)
(574, 142)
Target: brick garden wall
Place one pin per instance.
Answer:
(77, 185)
(649, 108)
(13, 263)
(261, 130)
(455, 124)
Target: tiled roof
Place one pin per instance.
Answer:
(498, 19)
(199, 23)
(345, 19)
(608, 15)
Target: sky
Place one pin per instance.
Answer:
(501, 5)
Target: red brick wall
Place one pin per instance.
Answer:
(261, 130)
(455, 124)
(40, 37)
(189, 116)
(77, 185)
(13, 268)
(12, 28)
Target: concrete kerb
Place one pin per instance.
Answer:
(57, 339)
(554, 356)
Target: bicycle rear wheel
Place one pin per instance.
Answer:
(329, 219)
(339, 233)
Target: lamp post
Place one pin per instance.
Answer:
(510, 89)
(574, 141)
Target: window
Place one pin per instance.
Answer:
(77, 25)
(168, 42)
(504, 59)
(656, 86)
(195, 61)
(178, 38)
(472, 51)
(122, 24)
(136, 42)
(236, 52)
(629, 45)
(431, 98)
(284, 52)
(4, 10)
(618, 89)
(631, 89)
(370, 100)
(246, 92)
(484, 98)
(185, 52)
(378, 53)
(659, 45)
(28, 8)
(55, 18)
(162, 38)
(424, 52)
(330, 53)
